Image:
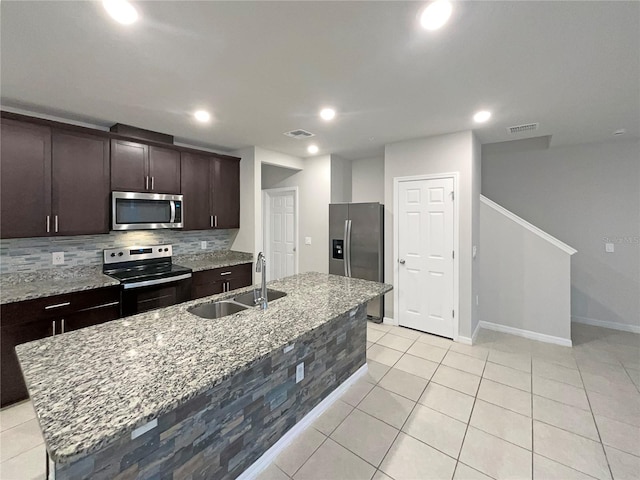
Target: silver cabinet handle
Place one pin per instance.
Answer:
(62, 325)
(57, 305)
(402, 262)
(146, 182)
(215, 220)
(48, 223)
(55, 223)
(228, 286)
(211, 221)
(225, 273)
(151, 183)
(53, 326)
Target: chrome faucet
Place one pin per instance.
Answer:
(261, 267)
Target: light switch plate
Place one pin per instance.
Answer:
(609, 248)
(203, 245)
(307, 240)
(57, 258)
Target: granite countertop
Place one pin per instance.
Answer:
(16, 287)
(207, 261)
(112, 378)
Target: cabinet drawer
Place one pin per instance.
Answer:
(58, 305)
(222, 274)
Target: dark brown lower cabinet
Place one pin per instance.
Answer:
(23, 322)
(219, 280)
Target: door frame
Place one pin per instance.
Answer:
(266, 214)
(456, 244)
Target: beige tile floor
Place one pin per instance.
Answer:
(506, 407)
(429, 408)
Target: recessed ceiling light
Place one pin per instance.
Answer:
(202, 116)
(435, 15)
(482, 116)
(121, 11)
(327, 113)
(312, 149)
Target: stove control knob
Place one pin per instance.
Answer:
(166, 249)
(120, 254)
(159, 249)
(113, 254)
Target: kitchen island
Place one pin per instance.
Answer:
(169, 394)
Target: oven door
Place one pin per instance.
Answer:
(145, 211)
(143, 296)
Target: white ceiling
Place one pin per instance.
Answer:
(264, 68)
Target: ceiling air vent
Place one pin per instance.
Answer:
(299, 134)
(527, 127)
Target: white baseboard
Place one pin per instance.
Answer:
(389, 321)
(464, 340)
(270, 455)
(566, 342)
(604, 323)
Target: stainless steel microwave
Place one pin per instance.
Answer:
(146, 211)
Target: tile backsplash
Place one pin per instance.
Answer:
(32, 254)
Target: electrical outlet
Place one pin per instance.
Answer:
(307, 240)
(57, 258)
(609, 248)
(203, 244)
(299, 372)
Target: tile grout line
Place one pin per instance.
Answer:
(408, 417)
(604, 451)
(464, 437)
(532, 436)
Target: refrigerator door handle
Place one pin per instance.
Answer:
(347, 248)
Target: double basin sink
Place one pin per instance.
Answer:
(223, 308)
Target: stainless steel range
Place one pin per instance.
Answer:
(148, 277)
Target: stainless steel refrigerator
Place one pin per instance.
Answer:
(356, 246)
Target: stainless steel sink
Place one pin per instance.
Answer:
(216, 309)
(248, 299)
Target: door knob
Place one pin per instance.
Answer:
(402, 262)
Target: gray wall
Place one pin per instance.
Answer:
(525, 279)
(441, 154)
(367, 180)
(581, 195)
(32, 254)
(340, 180)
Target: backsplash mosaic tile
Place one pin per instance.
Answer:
(33, 254)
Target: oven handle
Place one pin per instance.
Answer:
(158, 281)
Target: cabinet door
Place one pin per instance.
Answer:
(225, 201)
(80, 184)
(129, 166)
(25, 170)
(164, 170)
(92, 316)
(195, 186)
(13, 386)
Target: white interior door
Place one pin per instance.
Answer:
(282, 235)
(425, 255)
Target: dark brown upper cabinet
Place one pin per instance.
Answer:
(137, 167)
(25, 170)
(53, 182)
(211, 189)
(80, 184)
(225, 203)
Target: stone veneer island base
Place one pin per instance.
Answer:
(222, 430)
